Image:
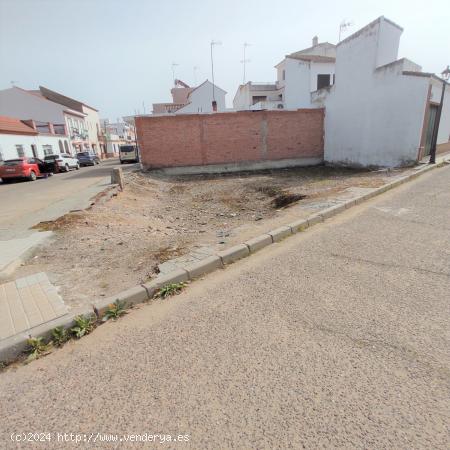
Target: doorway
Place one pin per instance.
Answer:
(430, 128)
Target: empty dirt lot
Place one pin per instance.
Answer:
(119, 243)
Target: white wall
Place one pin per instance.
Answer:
(323, 69)
(92, 121)
(201, 100)
(297, 84)
(374, 116)
(8, 144)
(242, 99)
(19, 104)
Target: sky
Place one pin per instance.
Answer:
(117, 55)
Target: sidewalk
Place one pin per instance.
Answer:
(335, 338)
(27, 303)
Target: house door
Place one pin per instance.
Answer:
(430, 128)
(34, 150)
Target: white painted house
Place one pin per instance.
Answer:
(31, 105)
(201, 98)
(381, 110)
(298, 75)
(26, 138)
(195, 100)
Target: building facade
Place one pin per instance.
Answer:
(298, 75)
(381, 110)
(205, 98)
(117, 134)
(88, 129)
(28, 138)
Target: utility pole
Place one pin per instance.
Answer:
(173, 71)
(245, 61)
(214, 104)
(445, 76)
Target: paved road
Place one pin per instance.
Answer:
(335, 338)
(24, 204)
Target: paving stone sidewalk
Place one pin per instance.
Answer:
(27, 303)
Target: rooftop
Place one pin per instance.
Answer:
(9, 125)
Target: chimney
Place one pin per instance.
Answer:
(315, 41)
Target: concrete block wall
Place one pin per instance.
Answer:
(230, 138)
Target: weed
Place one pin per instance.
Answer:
(115, 310)
(36, 348)
(83, 325)
(170, 289)
(60, 336)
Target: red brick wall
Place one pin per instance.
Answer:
(200, 139)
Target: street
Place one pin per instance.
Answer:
(24, 204)
(335, 338)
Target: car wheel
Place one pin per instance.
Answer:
(32, 176)
(66, 167)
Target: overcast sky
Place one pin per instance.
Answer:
(117, 54)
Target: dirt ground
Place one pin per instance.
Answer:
(119, 243)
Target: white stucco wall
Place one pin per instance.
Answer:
(297, 84)
(320, 68)
(8, 144)
(92, 125)
(241, 100)
(374, 116)
(19, 104)
(201, 100)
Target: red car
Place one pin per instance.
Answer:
(29, 168)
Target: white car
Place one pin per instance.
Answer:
(64, 161)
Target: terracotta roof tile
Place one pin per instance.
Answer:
(9, 125)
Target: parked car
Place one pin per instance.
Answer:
(128, 153)
(64, 162)
(88, 158)
(28, 168)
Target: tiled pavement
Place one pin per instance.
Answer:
(27, 303)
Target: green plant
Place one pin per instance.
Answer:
(170, 289)
(60, 335)
(83, 325)
(115, 310)
(37, 348)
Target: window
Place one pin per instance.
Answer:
(323, 80)
(20, 151)
(258, 98)
(47, 149)
(66, 146)
(61, 147)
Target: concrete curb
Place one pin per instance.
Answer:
(12, 347)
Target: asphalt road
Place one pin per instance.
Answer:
(335, 338)
(24, 204)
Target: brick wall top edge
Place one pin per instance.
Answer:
(232, 114)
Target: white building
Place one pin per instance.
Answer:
(188, 99)
(25, 138)
(91, 119)
(381, 110)
(31, 105)
(201, 99)
(298, 75)
(117, 134)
